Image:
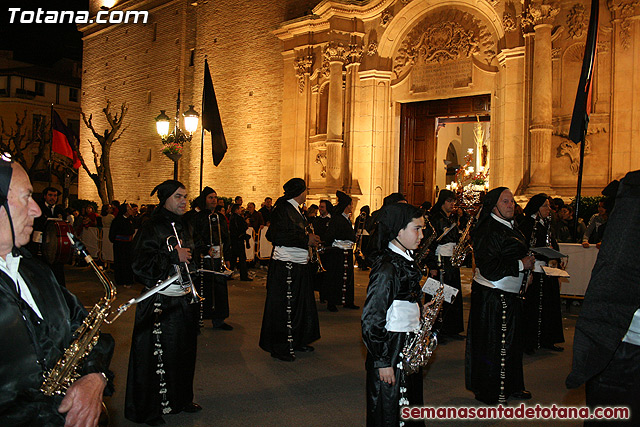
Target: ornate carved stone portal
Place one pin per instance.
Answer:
(447, 35)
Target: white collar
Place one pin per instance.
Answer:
(399, 251)
(295, 205)
(502, 220)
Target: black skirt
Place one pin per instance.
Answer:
(290, 317)
(491, 309)
(383, 400)
(543, 313)
(163, 358)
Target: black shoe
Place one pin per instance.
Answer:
(332, 308)
(247, 279)
(351, 306)
(304, 349)
(521, 395)
(529, 351)
(284, 358)
(553, 348)
(223, 326)
(192, 407)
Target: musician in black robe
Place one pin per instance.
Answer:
(50, 211)
(444, 220)
(495, 342)
(363, 222)
(320, 225)
(338, 261)
(290, 320)
(239, 241)
(542, 304)
(163, 348)
(208, 228)
(121, 235)
(37, 320)
(606, 344)
(391, 313)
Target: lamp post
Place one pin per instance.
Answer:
(174, 141)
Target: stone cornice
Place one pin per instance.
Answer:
(327, 9)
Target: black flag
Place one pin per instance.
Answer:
(582, 107)
(211, 118)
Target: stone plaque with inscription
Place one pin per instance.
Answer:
(441, 78)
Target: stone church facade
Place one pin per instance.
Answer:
(348, 94)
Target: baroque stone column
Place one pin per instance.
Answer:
(353, 63)
(541, 127)
(335, 54)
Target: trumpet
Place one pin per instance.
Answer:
(314, 255)
(195, 297)
(213, 217)
(357, 251)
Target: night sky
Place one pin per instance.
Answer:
(41, 44)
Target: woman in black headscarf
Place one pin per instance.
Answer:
(542, 304)
(338, 258)
(391, 312)
(493, 357)
(444, 219)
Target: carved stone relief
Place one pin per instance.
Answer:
(623, 10)
(334, 51)
(385, 18)
(372, 49)
(577, 22)
(537, 14)
(354, 53)
(508, 22)
(572, 150)
(303, 66)
(444, 36)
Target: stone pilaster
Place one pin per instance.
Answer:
(541, 126)
(335, 54)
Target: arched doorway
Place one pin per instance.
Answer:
(418, 144)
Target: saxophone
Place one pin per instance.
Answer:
(420, 255)
(418, 350)
(463, 247)
(65, 372)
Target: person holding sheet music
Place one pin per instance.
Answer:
(495, 343)
(391, 314)
(542, 304)
(445, 222)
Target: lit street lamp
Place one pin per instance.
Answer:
(174, 141)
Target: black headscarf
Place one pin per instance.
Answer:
(166, 189)
(343, 202)
(6, 173)
(292, 188)
(201, 201)
(488, 203)
(535, 203)
(443, 196)
(393, 198)
(393, 218)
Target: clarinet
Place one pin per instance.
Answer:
(527, 273)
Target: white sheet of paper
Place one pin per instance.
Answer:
(555, 272)
(431, 286)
